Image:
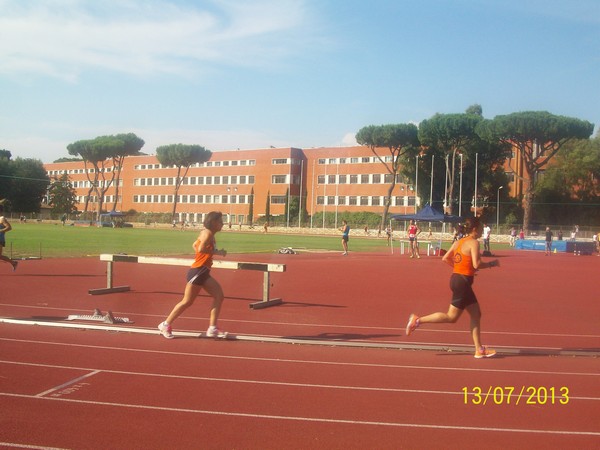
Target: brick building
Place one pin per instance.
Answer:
(328, 179)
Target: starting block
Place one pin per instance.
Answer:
(97, 316)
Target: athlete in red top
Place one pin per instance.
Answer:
(413, 232)
(464, 258)
(198, 277)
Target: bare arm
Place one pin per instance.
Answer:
(448, 257)
(205, 238)
(6, 227)
(476, 258)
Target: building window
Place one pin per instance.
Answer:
(342, 179)
(364, 200)
(321, 179)
(279, 179)
(278, 199)
(353, 179)
(376, 178)
(364, 178)
(279, 161)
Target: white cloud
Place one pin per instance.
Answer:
(62, 38)
(349, 139)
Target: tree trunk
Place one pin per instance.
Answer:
(386, 207)
(527, 207)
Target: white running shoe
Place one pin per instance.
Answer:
(166, 330)
(215, 332)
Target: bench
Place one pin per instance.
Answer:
(266, 268)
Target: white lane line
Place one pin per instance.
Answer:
(256, 382)
(36, 447)
(68, 383)
(312, 419)
(397, 329)
(398, 345)
(304, 361)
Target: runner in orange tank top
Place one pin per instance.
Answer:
(463, 263)
(464, 258)
(198, 277)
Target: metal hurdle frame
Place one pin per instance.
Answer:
(266, 268)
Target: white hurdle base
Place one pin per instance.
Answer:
(266, 268)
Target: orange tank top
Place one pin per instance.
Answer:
(463, 263)
(204, 258)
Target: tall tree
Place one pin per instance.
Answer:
(5, 173)
(268, 207)
(398, 139)
(92, 154)
(251, 207)
(61, 196)
(181, 156)
(29, 184)
(537, 136)
(451, 134)
(570, 186)
(130, 145)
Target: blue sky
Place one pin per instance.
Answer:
(230, 74)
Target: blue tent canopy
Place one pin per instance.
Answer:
(428, 214)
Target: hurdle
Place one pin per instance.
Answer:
(266, 268)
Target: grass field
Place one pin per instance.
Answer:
(52, 241)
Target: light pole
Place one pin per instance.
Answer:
(460, 189)
(475, 197)
(498, 209)
(431, 188)
(416, 181)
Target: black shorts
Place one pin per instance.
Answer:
(198, 275)
(462, 292)
(345, 238)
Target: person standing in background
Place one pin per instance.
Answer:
(5, 227)
(345, 236)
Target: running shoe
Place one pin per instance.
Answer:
(484, 352)
(413, 323)
(166, 330)
(215, 332)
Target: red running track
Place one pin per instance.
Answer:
(84, 388)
